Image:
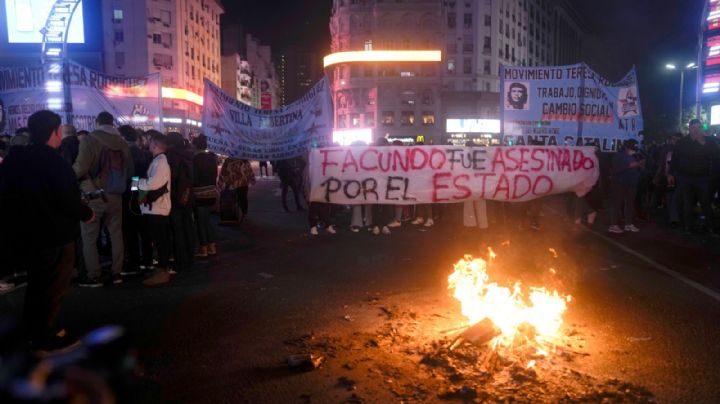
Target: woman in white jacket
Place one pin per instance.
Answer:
(155, 206)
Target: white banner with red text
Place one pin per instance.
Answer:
(445, 174)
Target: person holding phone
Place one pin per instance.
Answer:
(627, 166)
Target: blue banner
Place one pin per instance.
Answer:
(568, 105)
(241, 131)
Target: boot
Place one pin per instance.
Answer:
(158, 278)
(211, 249)
(202, 252)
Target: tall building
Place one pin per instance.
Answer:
(480, 35)
(178, 38)
(384, 69)
(248, 64)
(298, 70)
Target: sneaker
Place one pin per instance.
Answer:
(202, 252)
(394, 223)
(631, 228)
(211, 249)
(376, 230)
(158, 278)
(615, 229)
(355, 229)
(331, 229)
(172, 271)
(86, 282)
(429, 223)
(417, 221)
(144, 268)
(117, 279)
(314, 231)
(385, 230)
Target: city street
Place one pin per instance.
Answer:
(376, 309)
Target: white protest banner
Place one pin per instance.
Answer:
(241, 131)
(23, 90)
(445, 174)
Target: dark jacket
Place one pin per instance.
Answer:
(87, 163)
(39, 200)
(621, 172)
(181, 175)
(205, 169)
(693, 160)
(69, 148)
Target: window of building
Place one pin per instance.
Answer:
(157, 38)
(354, 120)
(167, 40)
(427, 97)
(368, 45)
(119, 59)
(451, 48)
(488, 20)
(451, 66)
(487, 87)
(162, 60)
(451, 20)
(500, 27)
(165, 17)
(467, 66)
(467, 20)
(507, 51)
(428, 118)
(407, 118)
(341, 121)
(507, 30)
(354, 71)
(388, 118)
(468, 44)
(369, 119)
(117, 15)
(486, 67)
(119, 37)
(486, 45)
(368, 71)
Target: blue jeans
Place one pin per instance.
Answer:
(205, 229)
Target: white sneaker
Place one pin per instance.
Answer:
(631, 228)
(418, 221)
(385, 230)
(429, 223)
(314, 231)
(376, 230)
(615, 229)
(355, 229)
(331, 229)
(394, 223)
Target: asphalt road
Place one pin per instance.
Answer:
(222, 331)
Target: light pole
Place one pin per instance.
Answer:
(689, 66)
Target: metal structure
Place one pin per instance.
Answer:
(54, 52)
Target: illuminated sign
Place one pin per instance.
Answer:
(182, 94)
(713, 17)
(382, 56)
(713, 55)
(473, 125)
(25, 19)
(715, 115)
(711, 85)
(348, 137)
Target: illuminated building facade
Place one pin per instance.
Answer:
(180, 39)
(377, 90)
(297, 70)
(709, 62)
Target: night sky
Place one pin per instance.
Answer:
(642, 33)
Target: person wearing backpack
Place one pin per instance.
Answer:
(180, 159)
(103, 167)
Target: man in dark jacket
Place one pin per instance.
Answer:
(41, 206)
(180, 159)
(692, 167)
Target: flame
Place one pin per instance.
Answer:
(509, 308)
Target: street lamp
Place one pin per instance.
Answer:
(689, 66)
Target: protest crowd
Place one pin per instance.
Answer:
(143, 201)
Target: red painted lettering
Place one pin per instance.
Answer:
(483, 183)
(540, 162)
(517, 184)
(437, 186)
(414, 165)
(443, 158)
(503, 185)
(548, 185)
(464, 191)
(498, 160)
(349, 161)
(362, 160)
(325, 162)
(400, 160)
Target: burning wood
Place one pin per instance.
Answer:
(479, 334)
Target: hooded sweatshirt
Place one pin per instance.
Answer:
(88, 159)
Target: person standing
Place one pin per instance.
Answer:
(156, 204)
(289, 179)
(103, 166)
(625, 175)
(264, 164)
(205, 188)
(691, 168)
(180, 159)
(237, 175)
(40, 201)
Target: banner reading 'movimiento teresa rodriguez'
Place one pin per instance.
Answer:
(446, 174)
(241, 131)
(568, 105)
(24, 90)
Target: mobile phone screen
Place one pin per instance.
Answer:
(134, 183)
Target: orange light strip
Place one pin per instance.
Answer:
(182, 94)
(383, 56)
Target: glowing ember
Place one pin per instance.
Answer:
(536, 317)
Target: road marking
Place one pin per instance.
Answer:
(662, 268)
